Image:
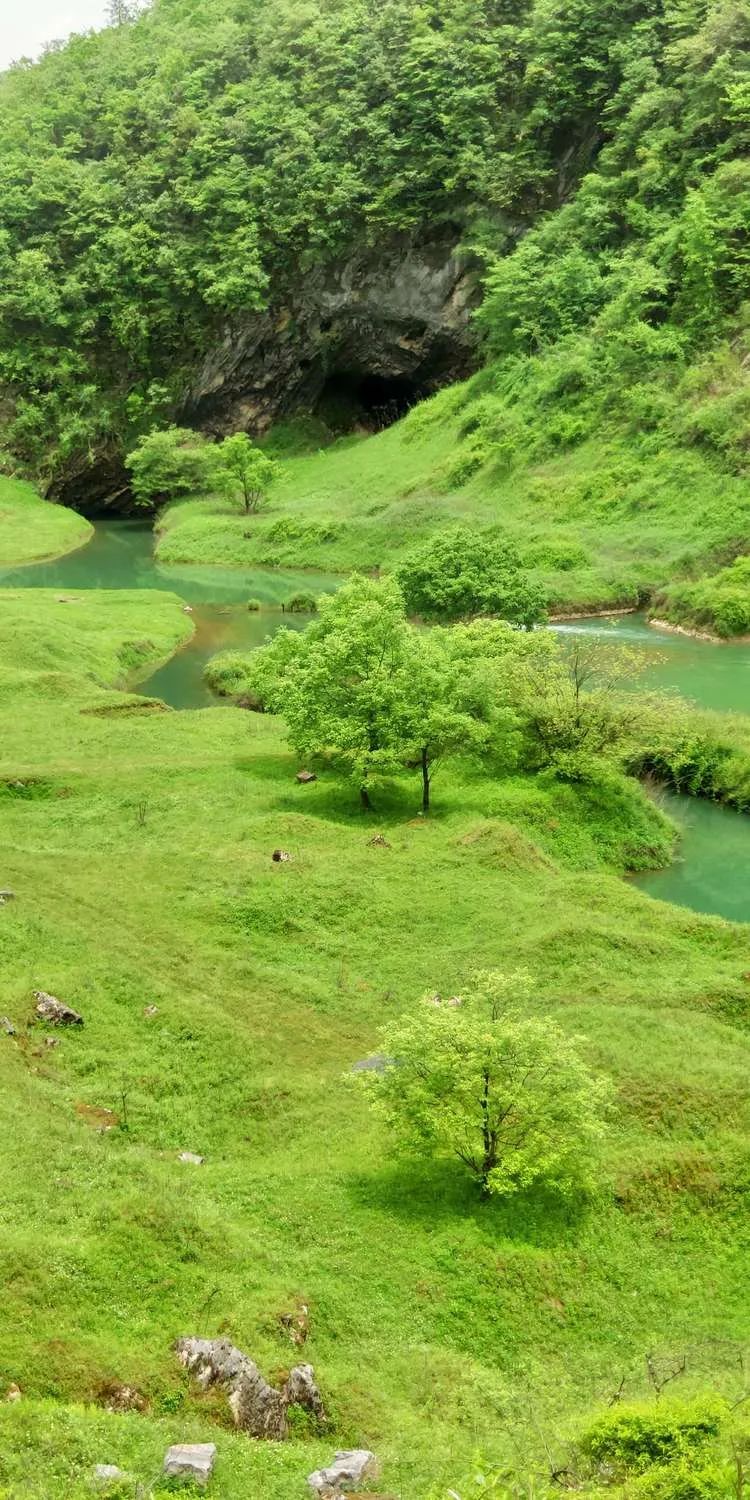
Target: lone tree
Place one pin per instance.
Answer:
(246, 470)
(459, 573)
(508, 1095)
(365, 688)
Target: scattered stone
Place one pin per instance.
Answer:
(107, 1473)
(257, 1407)
(454, 1000)
(192, 1158)
(349, 1468)
(13, 1393)
(378, 842)
(150, 1010)
(52, 1041)
(7, 1026)
(187, 609)
(305, 777)
(117, 1398)
(280, 857)
(52, 1010)
(6, 896)
(375, 1064)
(190, 1461)
(297, 1324)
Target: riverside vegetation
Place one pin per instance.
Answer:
(543, 1286)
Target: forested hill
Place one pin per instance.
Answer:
(168, 178)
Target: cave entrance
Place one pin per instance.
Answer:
(351, 401)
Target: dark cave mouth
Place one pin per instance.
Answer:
(353, 401)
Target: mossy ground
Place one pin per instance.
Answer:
(32, 528)
(139, 848)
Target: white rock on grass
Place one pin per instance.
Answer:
(192, 1158)
(107, 1473)
(190, 1461)
(349, 1468)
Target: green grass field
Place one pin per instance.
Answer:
(138, 845)
(610, 520)
(31, 529)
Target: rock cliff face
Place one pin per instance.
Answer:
(377, 332)
(388, 327)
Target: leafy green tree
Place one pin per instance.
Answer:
(451, 707)
(365, 688)
(508, 1095)
(577, 702)
(460, 573)
(340, 684)
(172, 462)
(249, 471)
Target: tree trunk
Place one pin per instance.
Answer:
(364, 797)
(425, 780)
(489, 1158)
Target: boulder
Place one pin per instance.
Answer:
(54, 1011)
(192, 1158)
(107, 1473)
(190, 1461)
(375, 1064)
(257, 1407)
(280, 857)
(13, 1393)
(7, 1026)
(378, 842)
(6, 896)
(350, 1466)
(305, 777)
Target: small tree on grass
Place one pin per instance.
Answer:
(458, 574)
(246, 470)
(170, 463)
(507, 1095)
(365, 688)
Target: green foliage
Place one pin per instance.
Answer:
(508, 1096)
(719, 602)
(365, 688)
(301, 603)
(245, 470)
(461, 573)
(633, 1437)
(169, 463)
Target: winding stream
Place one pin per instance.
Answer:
(712, 873)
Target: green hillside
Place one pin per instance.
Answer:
(221, 217)
(30, 529)
(139, 849)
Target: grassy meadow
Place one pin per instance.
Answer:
(225, 1000)
(612, 518)
(31, 529)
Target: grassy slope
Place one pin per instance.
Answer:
(141, 863)
(604, 522)
(32, 528)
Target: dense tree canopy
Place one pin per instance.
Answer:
(170, 172)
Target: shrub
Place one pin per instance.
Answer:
(632, 1438)
(254, 605)
(460, 573)
(301, 604)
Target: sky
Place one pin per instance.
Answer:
(25, 25)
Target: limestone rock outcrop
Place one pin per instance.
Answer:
(257, 1407)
